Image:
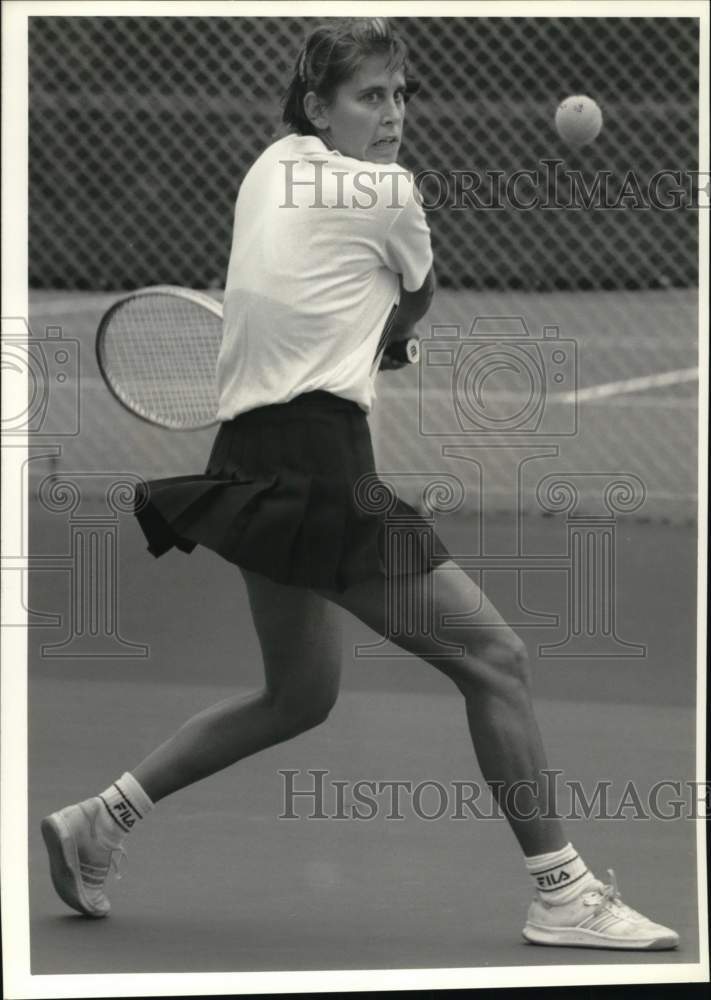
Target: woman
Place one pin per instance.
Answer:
(329, 235)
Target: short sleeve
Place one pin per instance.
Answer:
(408, 247)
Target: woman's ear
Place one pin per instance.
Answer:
(315, 110)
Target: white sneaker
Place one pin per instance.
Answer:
(597, 918)
(79, 860)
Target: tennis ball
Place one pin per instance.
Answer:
(578, 120)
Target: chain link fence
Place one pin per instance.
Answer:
(141, 129)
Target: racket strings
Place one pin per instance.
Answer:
(159, 354)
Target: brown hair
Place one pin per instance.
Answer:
(331, 54)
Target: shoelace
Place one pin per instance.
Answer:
(116, 856)
(611, 891)
(114, 864)
(610, 896)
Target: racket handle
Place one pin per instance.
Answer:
(404, 350)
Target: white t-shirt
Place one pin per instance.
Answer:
(319, 239)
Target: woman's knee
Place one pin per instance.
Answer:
(303, 709)
(500, 664)
(510, 656)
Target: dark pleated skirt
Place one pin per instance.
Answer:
(291, 491)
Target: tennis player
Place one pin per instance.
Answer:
(329, 235)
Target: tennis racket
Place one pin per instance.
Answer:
(157, 353)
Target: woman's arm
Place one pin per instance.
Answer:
(412, 306)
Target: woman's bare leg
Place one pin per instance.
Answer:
(493, 675)
(300, 637)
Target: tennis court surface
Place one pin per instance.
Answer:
(216, 881)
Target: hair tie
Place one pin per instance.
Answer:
(302, 66)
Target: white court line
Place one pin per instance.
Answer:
(391, 393)
(72, 306)
(90, 303)
(638, 384)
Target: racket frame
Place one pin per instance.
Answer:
(189, 295)
(212, 305)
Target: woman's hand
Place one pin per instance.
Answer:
(390, 361)
(389, 364)
(411, 308)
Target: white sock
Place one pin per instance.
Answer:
(124, 803)
(559, 876)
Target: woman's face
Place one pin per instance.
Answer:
(366, 116)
